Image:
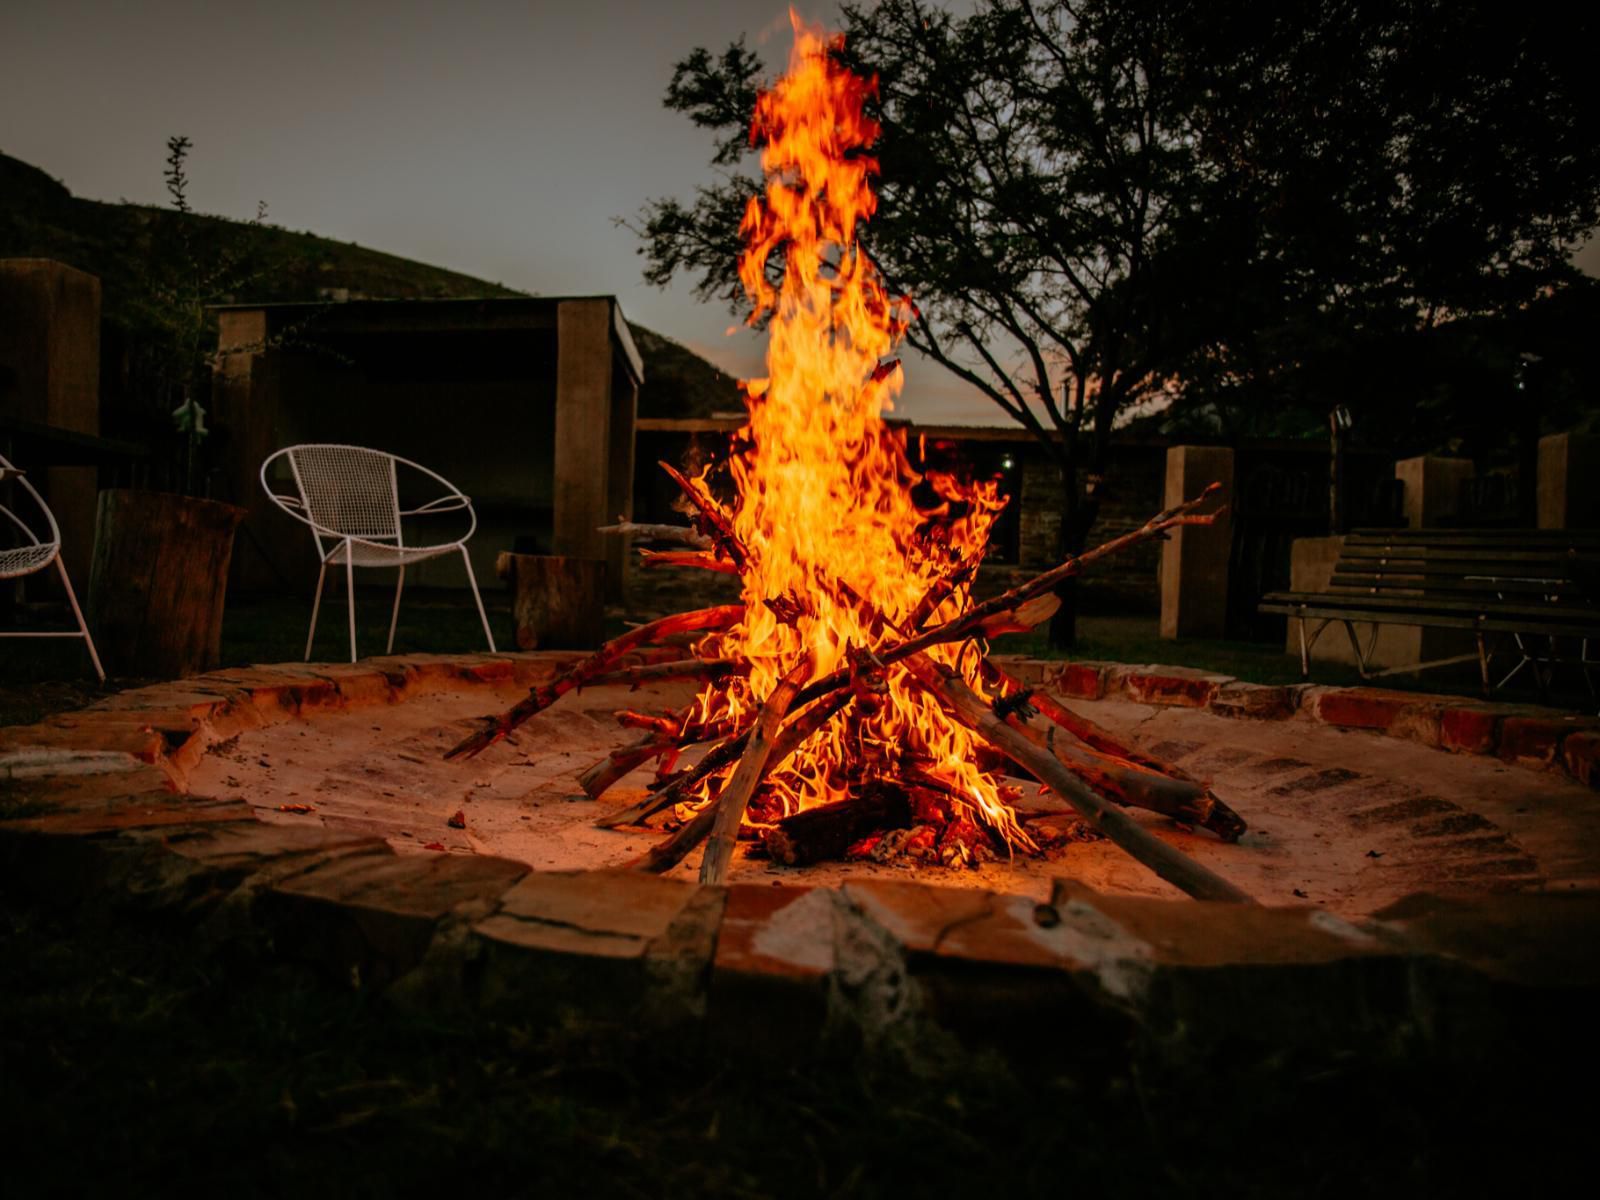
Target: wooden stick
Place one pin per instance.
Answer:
(546, 694)
(721, 755)
(1081, 727)
(970, 621)
(598, 778)
(710, 669)
(685, 534)
(667, 724)
(1170, 864)
(735, 797)
(665, 737)
(716, 522)
(705, 560)
(667, 853)
(1129, 779)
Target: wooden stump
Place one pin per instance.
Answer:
(557, 603)
(158, 581)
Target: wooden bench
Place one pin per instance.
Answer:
(1525, 590)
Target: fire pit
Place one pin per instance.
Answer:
(848, 709)
(1347, 819)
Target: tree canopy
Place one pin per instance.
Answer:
(1095, 202)
(1243, 213)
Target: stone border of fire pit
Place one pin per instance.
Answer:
(94, 811)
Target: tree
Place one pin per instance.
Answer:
(1102, 203)
(1397, 188)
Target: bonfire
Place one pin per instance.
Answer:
(847, 706)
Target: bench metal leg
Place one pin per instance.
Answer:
(1484, 654)
(1362, 655)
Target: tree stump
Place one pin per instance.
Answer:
(557, 603)
(158, 581)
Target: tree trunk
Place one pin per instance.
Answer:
(557, 603)
(1072, 535)
(159, 580)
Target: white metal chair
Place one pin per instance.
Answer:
(33, 554)
(350, 497)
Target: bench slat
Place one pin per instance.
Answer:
(1435, 620)
(1434, 604)
(1398, 580)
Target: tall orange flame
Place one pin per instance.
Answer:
(824, 485)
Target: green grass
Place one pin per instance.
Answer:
(137, 1062)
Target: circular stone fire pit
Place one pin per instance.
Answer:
(1352, 820)
(315, 799)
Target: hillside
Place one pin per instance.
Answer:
(40, 218)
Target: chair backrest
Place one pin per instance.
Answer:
(8, 472)
(348, 489)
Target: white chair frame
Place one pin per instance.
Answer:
(359, 522)
(37, 554)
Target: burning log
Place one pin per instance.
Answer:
(546, 694)
(708, 669)
(747, 775)
(1172, 865)
(671, 850)
(706, 560)
(796, 733)
(826, 832)
(714, 521)
(666, 724)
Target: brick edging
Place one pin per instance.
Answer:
(1524, 734)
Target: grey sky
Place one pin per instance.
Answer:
(488, 136)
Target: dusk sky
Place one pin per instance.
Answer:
(496, 138)
(487, 136)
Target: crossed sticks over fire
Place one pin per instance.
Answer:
(1079, 762)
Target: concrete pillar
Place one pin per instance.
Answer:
(270, 552)
(1432, 488)
(583, 428)
(619, 495)
(1569, 481)
(1194, 559)
(50, 374)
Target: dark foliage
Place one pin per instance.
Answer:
(1243, 214)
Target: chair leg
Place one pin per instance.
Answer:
(473, 580)
(316, 606)
(350, 590)
(72, 599)
(394, 620)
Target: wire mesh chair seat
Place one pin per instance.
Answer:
(25, 560)
(350, 498)
(375, 554)
(34, 554)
